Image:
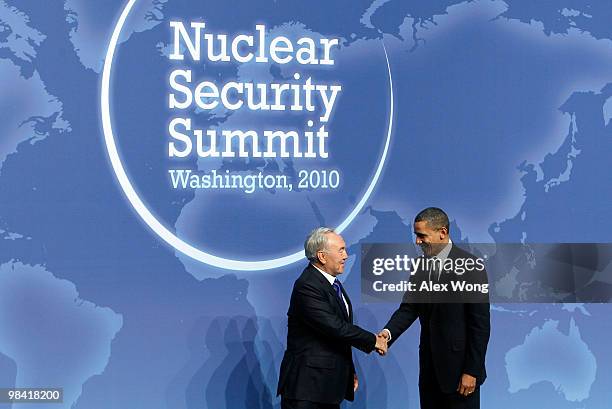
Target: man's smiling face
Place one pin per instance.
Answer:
(334, 255)
(431, 240)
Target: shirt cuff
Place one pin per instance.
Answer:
(388, 334)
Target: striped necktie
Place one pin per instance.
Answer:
(338, 287)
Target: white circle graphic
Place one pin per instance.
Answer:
(161, 230)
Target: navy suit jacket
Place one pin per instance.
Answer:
(454, 336)
(318, 363)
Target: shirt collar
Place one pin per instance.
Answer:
(443, 254)
(327, 276)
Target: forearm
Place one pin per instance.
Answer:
(316, 312)
(401, 320)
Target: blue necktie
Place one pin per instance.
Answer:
(338, 287)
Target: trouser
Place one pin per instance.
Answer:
(432, 397)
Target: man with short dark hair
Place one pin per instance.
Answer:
(317, 371)
(454, 336)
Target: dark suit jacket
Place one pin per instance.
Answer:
(318, 363)
(454, 336)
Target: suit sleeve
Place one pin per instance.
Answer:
(314, 309)
(401, 319)
(478, 329)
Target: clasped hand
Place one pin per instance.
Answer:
(381, 344)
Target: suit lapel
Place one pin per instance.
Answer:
(325, 285)
(350, 306)
(339, 301)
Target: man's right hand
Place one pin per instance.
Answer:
(385, 333)
(381, 344)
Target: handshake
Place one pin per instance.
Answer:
(381, 343)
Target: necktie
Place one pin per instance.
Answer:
(338, 287)
(434, 272)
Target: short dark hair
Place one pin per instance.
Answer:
(435, 218)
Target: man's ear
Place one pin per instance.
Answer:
(443, 233)
(321, 257)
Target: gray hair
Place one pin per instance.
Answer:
(316, 241)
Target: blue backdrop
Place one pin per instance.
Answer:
(501, 116)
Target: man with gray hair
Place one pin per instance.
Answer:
(317, 371)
